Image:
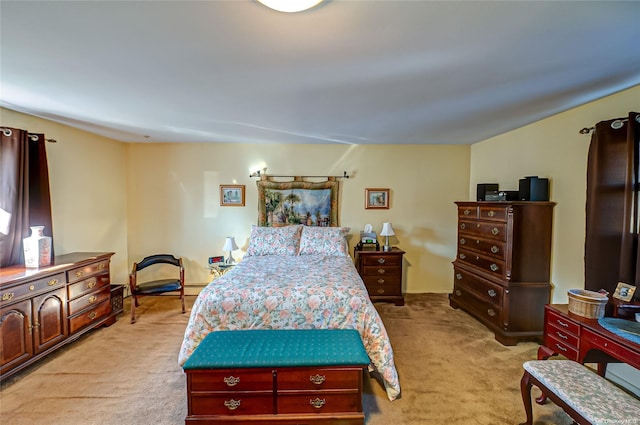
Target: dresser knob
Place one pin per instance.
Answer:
(494, 267)
(462, 241)
(381, 271)
(231, 381)
(491, 213)
(495, 231)
(462, 256)
(491, 312)
(458, 276)
(492, 293)
(495, 249)
(380, 281)
(458, 292)
(381, 260)
(463, 226)
(466, 212)
(232, 404)
(317, 402)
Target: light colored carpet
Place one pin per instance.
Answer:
(451, 369)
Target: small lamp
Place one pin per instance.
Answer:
(230, 245)
(387, 231)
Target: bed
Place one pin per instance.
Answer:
(294, 277)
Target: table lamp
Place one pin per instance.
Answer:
(387, 231)
(230, 245)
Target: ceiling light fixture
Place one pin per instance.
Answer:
(290, 5)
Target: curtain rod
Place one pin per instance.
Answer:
(260, 174)
(7, 132)
(615, 125)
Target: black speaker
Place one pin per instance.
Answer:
(533, 188)
(483, 188)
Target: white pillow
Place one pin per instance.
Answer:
(324, 241)
(274, 241)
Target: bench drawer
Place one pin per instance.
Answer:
(231, 404)
(230, 380)
(318, 402)
(316, 379)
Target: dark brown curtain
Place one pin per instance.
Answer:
(25, 199)
(611, 244)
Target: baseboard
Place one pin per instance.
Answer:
(625, 376)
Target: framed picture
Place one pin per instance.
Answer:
(298, 202)
(232, 195)
(376, 199)
(624, 292)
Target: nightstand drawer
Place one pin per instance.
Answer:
(380, 271)
(382, 260)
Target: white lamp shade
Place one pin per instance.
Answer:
(230, 244)
(290, 5)
(387, 230)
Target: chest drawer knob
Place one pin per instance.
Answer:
(495, 231)
(491, 213)
(380, 281)
(79, 274)
(381, 271)
(92, 299)
(317, 379)
(491, 312)
(380, 290)
(458, 276)
(32, 287)
(7, 296)
(381, 260)
(52, 282)
(93, 315)
(463, 226)
(231, 381)
(317, 402)
(462, 241)
(232, 404)
(466, 212)
(462, 256)
(91, 284)
(492, 293)
(494, 267)
(458, 292)
(495, 249)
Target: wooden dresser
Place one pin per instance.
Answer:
(502, 268)
(381, 272)
(43, 309)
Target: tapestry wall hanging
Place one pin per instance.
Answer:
(298, 202)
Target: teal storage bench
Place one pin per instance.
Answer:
(311, 376)
(588, 398)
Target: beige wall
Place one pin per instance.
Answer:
(174, 199)
(88, 187)
(554, 149)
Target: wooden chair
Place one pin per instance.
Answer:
(158, 286)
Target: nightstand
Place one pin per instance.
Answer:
(381, 272)
(217, 270)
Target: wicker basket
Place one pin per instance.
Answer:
(587, 304)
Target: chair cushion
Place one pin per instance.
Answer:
(157, 286)
(278, 348)
(597, 399)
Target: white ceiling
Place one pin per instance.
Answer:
(407, 72)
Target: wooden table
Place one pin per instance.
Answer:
(584, 340)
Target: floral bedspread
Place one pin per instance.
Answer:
(293, 292)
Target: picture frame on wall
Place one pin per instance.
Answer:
(232, 195)
(376, 198)
(624, 292)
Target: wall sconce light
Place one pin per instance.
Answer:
(290, 6)
(387, 231)
(230, 245)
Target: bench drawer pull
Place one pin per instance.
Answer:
(317, 402)
(232, 404)
(317, 379)
(231, 380)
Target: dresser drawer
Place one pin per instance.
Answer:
(467, 212)
(489, 247)
(382, 260)
(230, 379)
(481, 308)
(89, 316)
(492, 266)
(89, 300)
(21, 291)
(319, 379)
(495, 213)
(381, 271)
(87, 285)
(319, 402)
(83, 272)
(482, 289)
(561, 322)
(231, 403)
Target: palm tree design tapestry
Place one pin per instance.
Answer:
(298, 202)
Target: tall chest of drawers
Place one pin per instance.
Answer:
(502, 267)
(43, 309)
